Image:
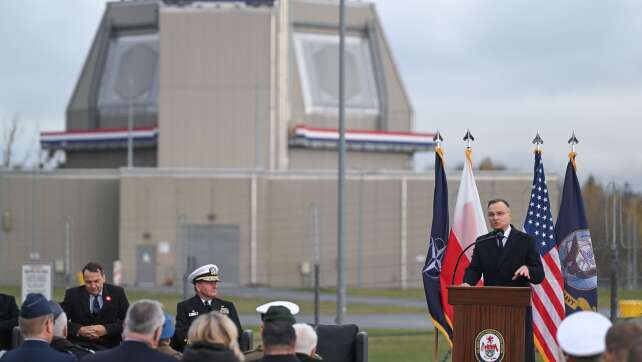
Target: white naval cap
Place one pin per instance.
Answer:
(582, 334)
(263, 308)
(207, 273)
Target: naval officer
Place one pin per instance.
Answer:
(205, 280)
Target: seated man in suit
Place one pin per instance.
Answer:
(37, 327)
(506, 257)
(205, 280)
(8, 319)
(279, 338)
(143, 327)
(306, 343)
(95, 310)
(257, 353)
(60, 342)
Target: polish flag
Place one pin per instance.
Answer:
(468, 223)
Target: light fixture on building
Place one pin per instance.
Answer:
(7, 221)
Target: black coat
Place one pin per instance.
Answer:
(188, 310)
(305, 358)
(130, 351)
(498, 265)
(8, 319)
(37, 351)
(63, 345)
(111, 315)
(280, 358)
(208, 352)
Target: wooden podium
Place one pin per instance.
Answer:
(490, 321)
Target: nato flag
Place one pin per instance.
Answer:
(437, 247)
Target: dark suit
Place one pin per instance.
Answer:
(188, 310)
(33, 350)
(130, 351)
(111, 315)
(8, 319)
(498, 265)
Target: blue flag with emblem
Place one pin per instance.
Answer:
(436, 248)
(575, 247)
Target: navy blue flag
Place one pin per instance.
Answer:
(436, 249)
(575, 247)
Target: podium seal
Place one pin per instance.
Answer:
(489, 346)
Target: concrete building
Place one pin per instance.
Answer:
(234, 113)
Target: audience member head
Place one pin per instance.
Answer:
(581, 336)
(619, 339)
(36, 319)
(279, 337)
(278, 313)
(292, 308)
(144, 321)
(94, 277)
(215, 327)
(168, 328)
(635, 352)
(306, 339)
(59, 319)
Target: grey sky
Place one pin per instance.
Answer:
(504, 69)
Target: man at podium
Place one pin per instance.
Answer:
(506, 257)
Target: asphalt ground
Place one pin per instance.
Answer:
(364, 321)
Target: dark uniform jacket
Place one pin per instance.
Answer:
(37, 351)
(280, 358)
(306, 358)
(130, 351)
(111, 315)
(208, 352)
(498, 265)
(63, 345)
(188, 310)
(8, 319)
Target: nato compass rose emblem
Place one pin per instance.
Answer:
(435, 253)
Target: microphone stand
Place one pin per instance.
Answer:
(495, 235)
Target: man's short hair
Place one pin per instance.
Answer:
(278, 333)
(93, 267)
(620, 337)
(31, 327)
(494, 201)
(635, 352)
(60, 324)
(144, 317)
(306, 338)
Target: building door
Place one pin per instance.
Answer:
(146, 265)
(215, 244)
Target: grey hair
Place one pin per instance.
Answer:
(144, 317)
(60, 324)
(306, 338)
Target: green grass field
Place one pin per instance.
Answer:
(245, 305)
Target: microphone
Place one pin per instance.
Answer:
(495, 234)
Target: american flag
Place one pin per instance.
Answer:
(547, 297)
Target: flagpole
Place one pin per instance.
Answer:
(436, 357)
(438, 139)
